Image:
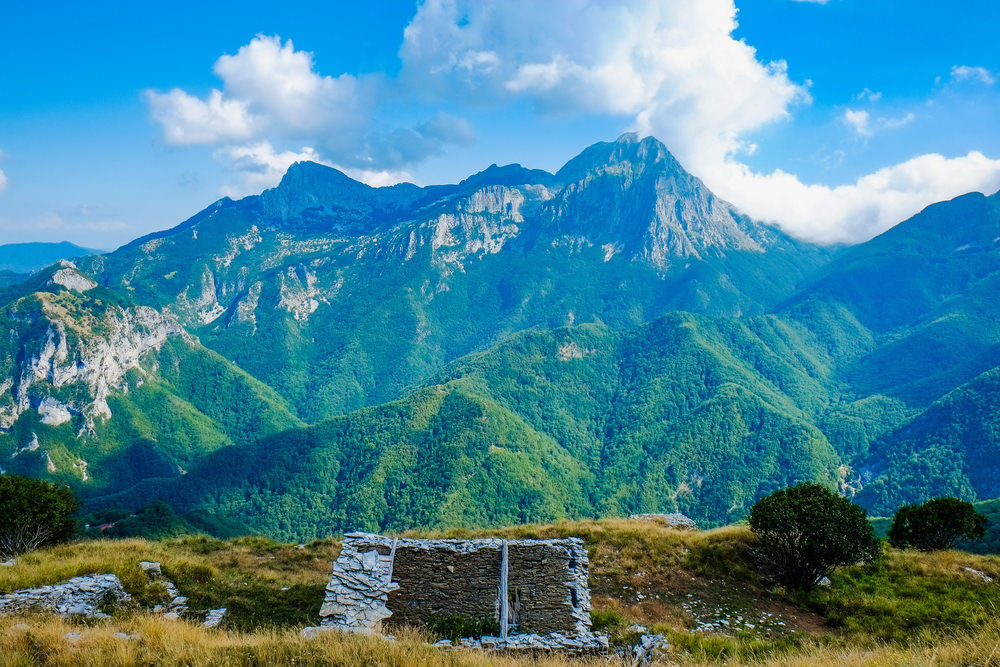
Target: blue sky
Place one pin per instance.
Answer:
(832, 119)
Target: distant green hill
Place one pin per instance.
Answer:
(30, 257)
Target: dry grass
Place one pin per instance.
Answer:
(912, 609)
(267, 560)
(155, 641)
(49, 641)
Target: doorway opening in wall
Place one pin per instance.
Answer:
(514, 609)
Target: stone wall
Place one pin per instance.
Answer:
(441, 579)
(404, 581)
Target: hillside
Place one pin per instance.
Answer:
(698, 589)
(522, 346)
(908, 321)
(102, 392)
(341, 296)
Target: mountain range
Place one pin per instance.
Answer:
(522, 346)
(22, 258)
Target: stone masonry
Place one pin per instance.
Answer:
(80, 596)
(396, 581)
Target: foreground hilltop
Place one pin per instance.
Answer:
(699, 589)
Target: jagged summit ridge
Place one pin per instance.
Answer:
(629, 196)
(651, 207)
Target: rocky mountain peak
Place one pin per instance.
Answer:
(628, 153)
(634, 196)
(315, 197)
(508, 175)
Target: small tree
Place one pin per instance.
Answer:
(936, 524)
(805, 532)
(33, 513)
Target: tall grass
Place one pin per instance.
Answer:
(909, 609)
(155, 641)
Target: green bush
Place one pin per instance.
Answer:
(33, 513)
(607, 621)
(936, 524)
(460, 626)
(807, 531)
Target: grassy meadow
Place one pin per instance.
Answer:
(908, 609)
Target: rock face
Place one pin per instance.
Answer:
(80, 596)
(676, 521)
(378, 578)
(63, 343)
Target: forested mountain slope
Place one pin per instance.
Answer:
(521, 346)
(340, 296)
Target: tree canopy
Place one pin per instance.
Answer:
(805, 532)
(33, 513)
(936, 524)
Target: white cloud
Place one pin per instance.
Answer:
(817, 2)
(862, 123)
(272, 95)
(3, 181)
(187, 120)
(966, 73)
(672, 67)
(899, 121)
(869, 94)
(259, 166)
(269, 89)
(859, 121)
(377, 177)
(860, 210)
(280, 82)
(673, 70)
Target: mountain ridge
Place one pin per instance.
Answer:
(614, 336)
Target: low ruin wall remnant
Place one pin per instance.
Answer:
(528, 586)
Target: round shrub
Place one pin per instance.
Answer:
(807, 531)
(936, 524)
(33, 513)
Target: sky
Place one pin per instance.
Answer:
(831, 119)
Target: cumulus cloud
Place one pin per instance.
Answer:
(269, 88)
(673, 67)
(188, 120)
(673, 70)
(271, 94)
(856, 211)
(259, 166)
(966, 73)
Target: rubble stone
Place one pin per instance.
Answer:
(675, 520)
(80, 596)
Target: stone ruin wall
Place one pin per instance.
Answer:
(444, 581)
(403, 581)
